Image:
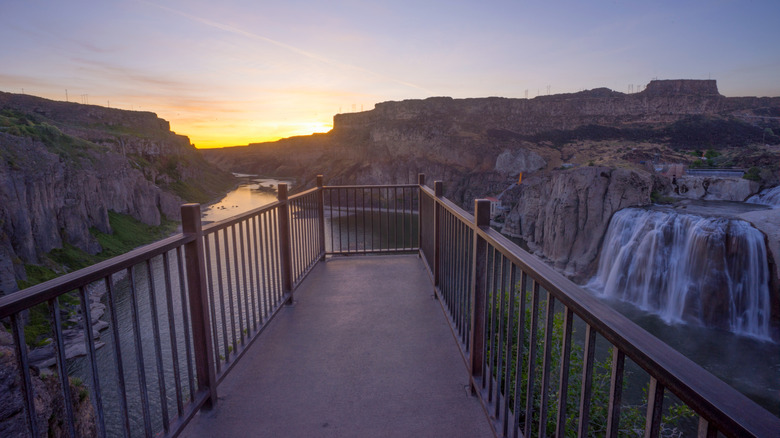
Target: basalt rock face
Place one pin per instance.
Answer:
(563, 215)
(49, 407)
(64, 166)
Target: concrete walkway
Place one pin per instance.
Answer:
(365, 352)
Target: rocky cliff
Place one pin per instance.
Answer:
(478, 147)
(563, 214)
(64, 166)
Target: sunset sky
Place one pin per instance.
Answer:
(233, 72)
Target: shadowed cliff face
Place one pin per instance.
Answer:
(64, 166)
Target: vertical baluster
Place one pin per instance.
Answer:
(139, 354)
(478, 293)
(615, 392)
(277, 248)
(273, 248)
(229, 294)
(521, 336)
(59, 355)
(587, 381)
(487, 375)
(395, 217)
(97, 394)
(186, 322)
(172, 334)
(510, 342)
(239, 288)
(655, 407)
(546, 365)
(17, 327)
(266, 261)
(403, 218)
(530, 384)
(706, 429)
(354, 215)
(157, 346)
(120, 368)
(363, 217)
(332, 218)
(321, 215)
(246, 265)
(210, 281)
(251, 237)
(341, 234)
(500, 355)
(563, 381)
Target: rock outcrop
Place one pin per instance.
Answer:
(563, 215)
(64, 166)
(49, 403)
(713, 188)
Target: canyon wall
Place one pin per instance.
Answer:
(607, 140)
(64, 166)
(563, 215)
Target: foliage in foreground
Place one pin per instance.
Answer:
(632, 415)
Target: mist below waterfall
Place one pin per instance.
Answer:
(686, 268)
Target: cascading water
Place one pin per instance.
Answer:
(767, 197)
(686, 268)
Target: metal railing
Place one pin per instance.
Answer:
(181, 312)
(544, 356)
(547, 358)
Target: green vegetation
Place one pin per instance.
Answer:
(657, 198)
(128, 234)
(66, 146)
(753, 174)
(632, 415)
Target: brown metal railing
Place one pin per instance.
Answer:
(188, 308)
(371, 219)
(547, 358)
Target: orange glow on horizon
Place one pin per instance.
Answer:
(215, 135)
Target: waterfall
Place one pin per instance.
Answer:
(686, 268)
(767, 197)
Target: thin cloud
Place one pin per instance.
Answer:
(234, 30)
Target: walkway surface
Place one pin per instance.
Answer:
(366, 351)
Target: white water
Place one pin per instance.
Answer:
(685, 268)
(767, 197)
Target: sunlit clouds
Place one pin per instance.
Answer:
(236, 72)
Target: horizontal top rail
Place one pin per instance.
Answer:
(42, 292)
(376, 186)
(225, 223)
(731, 411)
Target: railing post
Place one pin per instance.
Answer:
(285, 242)
(478, 286)
(420, 218)
(438, 190)
(198, 298)
(321, 213)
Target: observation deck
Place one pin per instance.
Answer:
(356, 311)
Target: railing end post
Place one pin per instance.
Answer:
(438, 189)
(198, 298)
(281, 189)
(320, 183)
(482, 212)
(190, 218)
(421, 179)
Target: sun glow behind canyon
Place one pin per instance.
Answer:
(240, 72)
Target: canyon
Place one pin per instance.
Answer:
(64, 166)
